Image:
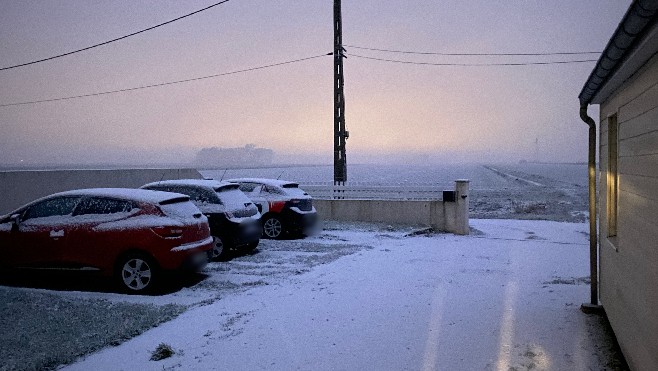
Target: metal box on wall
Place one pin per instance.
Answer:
(449, 196)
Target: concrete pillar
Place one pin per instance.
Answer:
(461, 212)
(438, 215)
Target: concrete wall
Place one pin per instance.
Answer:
(444, 216)
(20, 187)
(629, 260)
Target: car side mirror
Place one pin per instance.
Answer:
(15, 221)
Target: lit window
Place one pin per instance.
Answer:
(613, 175)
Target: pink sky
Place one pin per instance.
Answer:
(479, 113)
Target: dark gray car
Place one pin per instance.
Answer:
(234, 219)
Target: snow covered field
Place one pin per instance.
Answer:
(374, 297)
(443, 175)
(499, 191)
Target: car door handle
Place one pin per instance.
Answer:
(57, 234)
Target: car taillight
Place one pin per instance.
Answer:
(168, 232)
(295, 202)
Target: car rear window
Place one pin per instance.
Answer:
(294, 191)
(197, 194)
(233, 198)
(179, 208)
(273, 190)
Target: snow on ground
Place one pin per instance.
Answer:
(506, 297)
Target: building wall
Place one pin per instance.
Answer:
(629, 260)
(20, 187)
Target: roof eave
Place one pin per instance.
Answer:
(631, 32)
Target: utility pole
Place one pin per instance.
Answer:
(340, 134)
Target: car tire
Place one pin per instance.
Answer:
(272, 227)
(219, 250)
(137, 273)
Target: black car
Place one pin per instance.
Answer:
(285, 207)
(234, 219)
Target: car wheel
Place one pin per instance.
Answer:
(219, 250)
(136, 273)
(272, 227)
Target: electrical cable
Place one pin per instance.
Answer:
(113, 40)
(472, 64)
(468, 54)
(164, 83)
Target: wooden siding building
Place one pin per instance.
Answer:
(625, 85)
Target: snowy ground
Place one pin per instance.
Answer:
(506, 297)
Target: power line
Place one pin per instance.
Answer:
(113, 40)
(163, 83)
(468, 54)
(472, 64)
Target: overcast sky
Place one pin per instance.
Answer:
(442, 113)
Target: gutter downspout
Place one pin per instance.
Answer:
(593, 231)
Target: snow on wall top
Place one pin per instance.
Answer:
(272, 182)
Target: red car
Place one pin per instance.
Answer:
(133, 235)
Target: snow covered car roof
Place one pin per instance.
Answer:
(143, 195)
(211, 183)
(272, 182)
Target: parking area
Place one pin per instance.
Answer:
(354, 296)
(50, 320)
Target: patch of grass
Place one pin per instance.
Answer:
(42, 330)
(162, 351)
(568, 281)
(529, 207)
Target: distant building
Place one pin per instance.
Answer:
(247, 156)
(625, 85)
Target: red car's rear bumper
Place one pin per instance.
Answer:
(188, 256)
